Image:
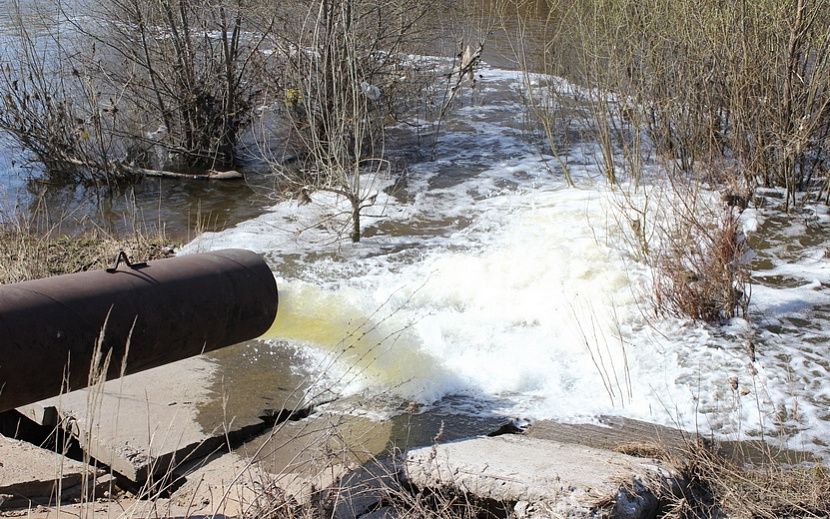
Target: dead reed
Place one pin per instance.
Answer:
(720, 485)
(30, 251)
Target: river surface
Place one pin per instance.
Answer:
(485, 288)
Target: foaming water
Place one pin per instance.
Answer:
(531, 306)
(526, 311)
(486, 277)
(521, 316)
(365, 348)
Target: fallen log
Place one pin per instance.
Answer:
(210, 174)
(133, 170)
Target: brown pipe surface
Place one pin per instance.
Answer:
(166, 311)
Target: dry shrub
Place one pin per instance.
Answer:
(701, 271)
(722, 487)
(161, 85)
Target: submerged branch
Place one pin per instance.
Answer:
(137, 171)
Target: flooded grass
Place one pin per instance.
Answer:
(27, 254)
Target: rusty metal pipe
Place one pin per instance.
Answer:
(166, 310)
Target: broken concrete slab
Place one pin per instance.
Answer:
(324, 457)
(556, 477)
(31, 474)
(317, 458)
(136, 425)
(149, 422)
(223, 484)
(146, 423)
(315, 452)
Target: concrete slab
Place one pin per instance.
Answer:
(559, 478)
(150, 422)
(31, 474)
(647, 439)
(296, 461)
(137, 425)
(146, 423)
(223, 484)
(331, 453)
(315, 452)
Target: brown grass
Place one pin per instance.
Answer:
(734, 486)
(701, 271)
(643, 450)
(27, 252)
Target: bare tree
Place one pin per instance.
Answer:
(343, 77)
(48, 103)
(187, 73)
(134, 87)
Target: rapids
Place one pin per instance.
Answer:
(486, 286)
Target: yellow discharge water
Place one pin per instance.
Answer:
(369, 343)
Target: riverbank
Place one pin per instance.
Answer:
(528, 474)
(28, 251)
(617, 468)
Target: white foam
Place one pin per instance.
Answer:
(489, 277)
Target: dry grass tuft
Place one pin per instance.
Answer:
(643, 450)
(27, 253)
(272, 502)
(721, 487)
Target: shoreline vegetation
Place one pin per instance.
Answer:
(28, 253)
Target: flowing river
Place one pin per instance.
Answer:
(486, 288)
